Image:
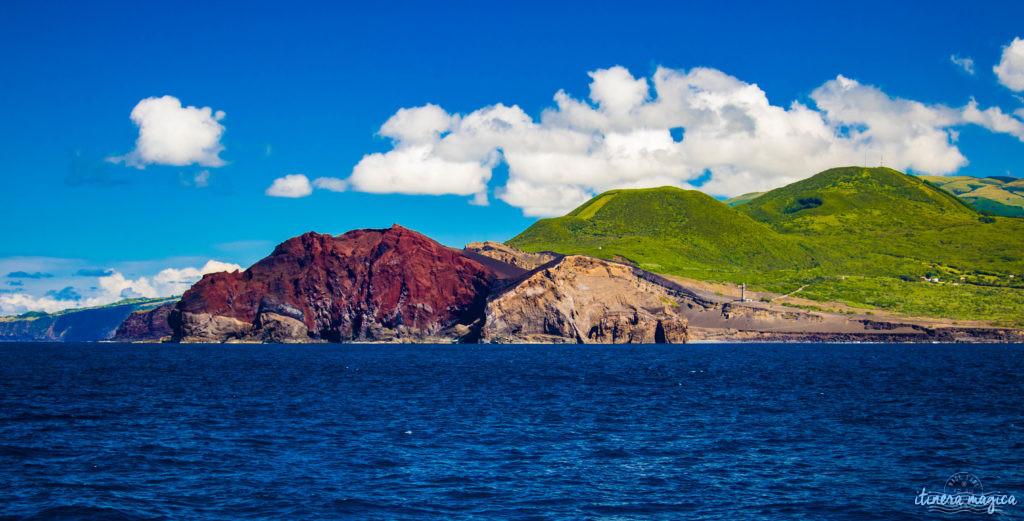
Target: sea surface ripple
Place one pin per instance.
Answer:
(468, 432)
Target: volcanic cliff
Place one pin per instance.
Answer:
(585, 300)
(146, 325)
(396, 285)
(368, 285)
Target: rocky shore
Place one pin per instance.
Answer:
(396, 285)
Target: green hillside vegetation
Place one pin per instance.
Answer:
(998, 195)
(665, 229)
(740, 199)
(864, 236)
(884, 231)
(994, 207)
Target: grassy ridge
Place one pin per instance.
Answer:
(863, 236)
(740, 199)
(665, 229)
(998, 195)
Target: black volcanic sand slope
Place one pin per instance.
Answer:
(869, 237)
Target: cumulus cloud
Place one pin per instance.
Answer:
(627, 134)
(294, 185)
(111, 287)
(176, 281)
(15, 304)
(967, 64)
(412, 167)
(170, 134)
(1010, 69)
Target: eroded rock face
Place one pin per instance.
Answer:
(206, 327)
(391, 285)
(509, 255)
(146, 326)
(274, 328)
(585, 300)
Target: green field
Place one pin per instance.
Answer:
(867, 237)
(997, 195)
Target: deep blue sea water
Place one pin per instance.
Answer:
(713, 431)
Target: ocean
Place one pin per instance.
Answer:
(496, 432)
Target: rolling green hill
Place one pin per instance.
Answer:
(864, 236)
(740, 199)
(852, 198)
(999, 195)
(884, 231)
(665, 229)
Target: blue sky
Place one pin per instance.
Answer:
(305, 89)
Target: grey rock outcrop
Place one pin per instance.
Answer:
(585, 300)
(509, 255)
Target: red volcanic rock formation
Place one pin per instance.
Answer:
(391, 284)
(149, 325)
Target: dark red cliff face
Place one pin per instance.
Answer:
(350, 285)
(146, 325)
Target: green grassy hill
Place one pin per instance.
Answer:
(884, 231)
(740, 199)
(853, 199)
(863, 236)
(665, 229)
(999, 195)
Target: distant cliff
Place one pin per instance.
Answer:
(74, 325)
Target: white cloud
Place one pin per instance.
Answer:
(1010, 69)
(995, 120)
(202, 179)
(294, 185)
(18, 303)
(967, 64)
(418, 170)
(417, 125)
(170, 134)
(176, 281)
(114, 287)
(616, 92)
(622, 137)
(330, 183)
